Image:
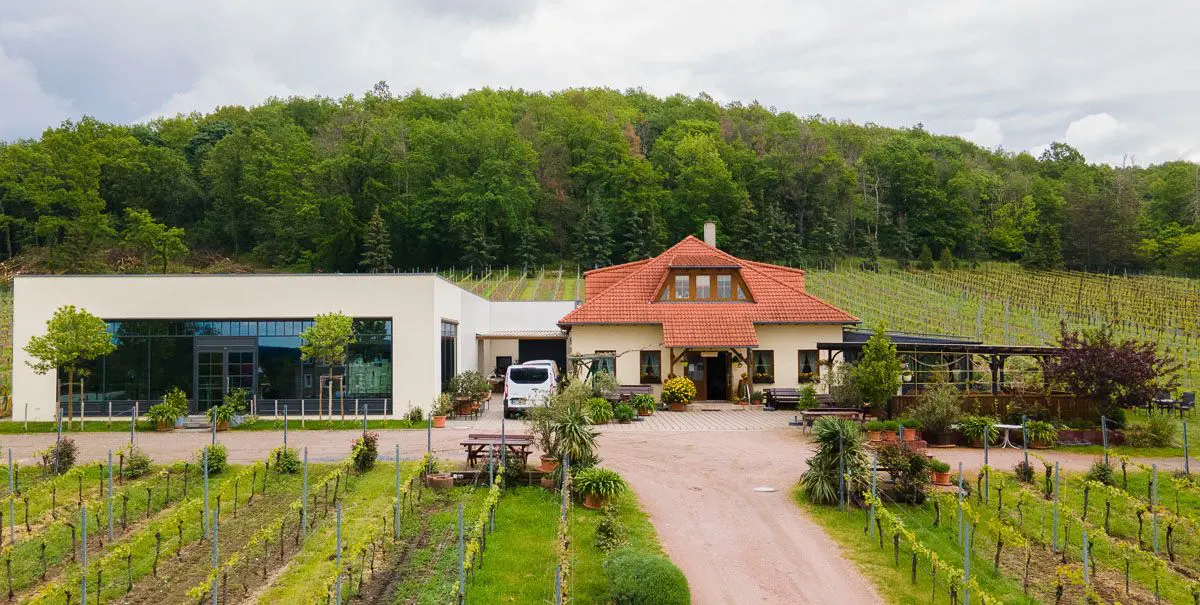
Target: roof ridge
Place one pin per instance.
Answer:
(650, 262)
(619, 266)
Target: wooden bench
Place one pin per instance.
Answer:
(810, 416)
(782, 399)
(626, 392)
(480, 445)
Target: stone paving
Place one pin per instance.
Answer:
(701, 417)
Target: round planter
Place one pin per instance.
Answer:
(1038, 445)
(679, 407)
(164, 427)
(941, 478)
(911, 435)
(594, 502)
(548, 464)
(439, 481)
(976, 443)
(223, 425)
(645, 412)
(941, 439)
(439, 422)
(549, 484)
(623, 421)
(874, 436)
(888, 436)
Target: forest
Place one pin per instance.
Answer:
(586, 177)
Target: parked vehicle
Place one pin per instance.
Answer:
(526, 387)
(550, 363)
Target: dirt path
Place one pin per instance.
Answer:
(735, 545)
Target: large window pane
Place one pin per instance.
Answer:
(126, 371)
(170, 365)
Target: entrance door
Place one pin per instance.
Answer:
(220, 369)
(716, 371)
(695, 373)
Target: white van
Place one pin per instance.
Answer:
(527, 386)
(550, 363)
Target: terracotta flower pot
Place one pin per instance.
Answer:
(645, 412)
(439, 422)
(549, 463)
(679, 407)
(594, 502)
(163, 426)
(223, 425)
(941, 478)
(888, 436)
(549, 484)
(439, 481)
(911, 434)
(874, 436)
(1038, 445)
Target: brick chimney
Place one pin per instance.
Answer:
(710, 233)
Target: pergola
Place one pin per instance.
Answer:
(955, 356)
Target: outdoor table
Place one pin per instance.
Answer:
(477, 446)
(1007, 429)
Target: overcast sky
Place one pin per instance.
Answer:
(1112, 79)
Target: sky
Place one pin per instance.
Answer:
(1118, 81)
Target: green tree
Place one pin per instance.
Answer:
(946, 260)
(153, 240)
(377, 246)
(877, 373)
(925, 261)
(72, 337)
(328, 342)
(594, 239)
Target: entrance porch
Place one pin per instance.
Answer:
(718, 373)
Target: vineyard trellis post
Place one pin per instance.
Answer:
(216, 552)
(110, 498)
(842, 474)
(1057, 483)
(987, 475)
(1024, 439)
(12, 492)
(204, 470)
(462, 580)
(83, 555)
(874, 470)
(967, 565)
(133, 414)
(1154, 502)
(1187, 464)
(338, 545)
(285, 422)
(58, 442)
(304, 498)
(1086, 571)
(396, 519)
(960, 497)
(1104, 436)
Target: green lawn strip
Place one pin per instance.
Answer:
(588, 583)
(432, 568)
(16, 427)
(518, 564)
(294, 424)
(140, 542)
(236, 533)
(368, 499)
(59, 491)
(895, 581)
(28, 557)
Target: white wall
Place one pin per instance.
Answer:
(787, 340)
(532, 315)
(628, 341)
(416, 305)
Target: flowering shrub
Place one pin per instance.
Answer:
(365, 451)
(678, 390)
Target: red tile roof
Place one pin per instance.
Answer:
(702, 261)
(626, 294)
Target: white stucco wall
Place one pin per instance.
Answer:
(627, 341)
(787, 340)
(416, 305)
(530, 315)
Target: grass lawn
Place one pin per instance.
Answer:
(520, 561)
(13, 427)
(432, 567)
(324, 425)
(1134, 417)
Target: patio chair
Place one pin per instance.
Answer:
(1187, 401)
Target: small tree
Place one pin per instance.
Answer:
(925, 261)
(328, 341)
(154, 240)
(377, 247)
(1118, 374)
(72, 336)
(877, 373)
(946, 260)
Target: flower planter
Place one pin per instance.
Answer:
(439, 422)
(549, 484)
(439, 481)
(679, 407)
(888, 436)
(549, 463)
(223, 425)
(941, 478)
(941, 439)
(645, 412)
(911, 435)
(874, 436)
(1038, 445)
(594, 502)
(164, 427)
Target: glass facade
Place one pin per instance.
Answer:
(208, 358)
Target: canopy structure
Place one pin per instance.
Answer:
(958, 357)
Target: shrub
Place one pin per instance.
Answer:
(603, 384)
(442, 406)
(1101, 472)
(514, 471)
(1040, 431)
(679, 390)
(938, 408)
(598, 483)
(365, 451)
(908, 469)
(137, 462)
(1024, 472)
(611, 532)
(415, 415)
(643, 402)
(568, 425)
(624, 412)
(286, 460)
(979, 428)
(939, 466)
(874, 425)
(238, 400)
(808, 398)
(599, 410)
(470, 384)
(64, 452)
(1159, 430)
(841, 386)
(218, 458)
(639, 578)
(838, 442)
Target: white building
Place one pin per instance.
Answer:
(207, 334)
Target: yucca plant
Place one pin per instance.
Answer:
(839, 447)
(978, 428)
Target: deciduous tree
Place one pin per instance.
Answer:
(328, 342)
(72, 337)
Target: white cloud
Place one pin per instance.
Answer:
(1031, 66)
(26, 106)
(986, 133)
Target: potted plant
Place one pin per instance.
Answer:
(941, 472)
(890, 430)
(166, 414)
(1041, 434)
(977, 428)
(643, 403)
(597, 486)
(600, 411)
(912, 428)
(442, 406)
(439, 481)
(624, 413)
(938, 409)
(470, 388)
(542, 427)
(874, 430)
(678, 393)
(221, 415)
(807, 399)
(757, 398)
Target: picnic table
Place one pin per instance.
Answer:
(482, 446)
(811, 416)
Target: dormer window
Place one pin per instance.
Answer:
(704, 285)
